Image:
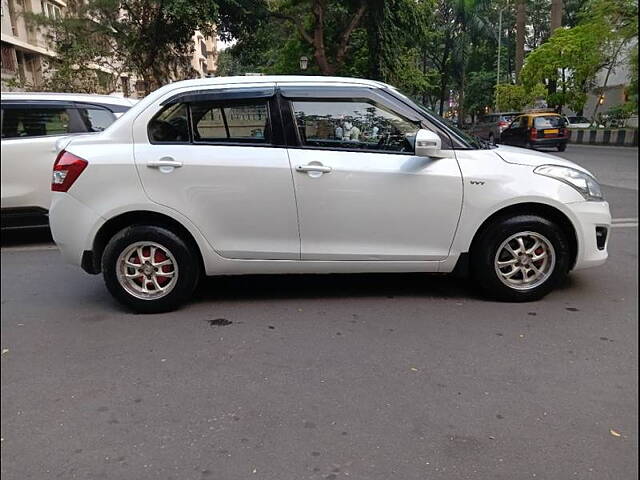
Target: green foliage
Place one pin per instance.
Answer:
(479, 94)
(572, 57)
(510, 98)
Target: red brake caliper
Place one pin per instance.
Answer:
(161, 257)
(538, 251)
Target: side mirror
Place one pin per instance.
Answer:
(428, 144)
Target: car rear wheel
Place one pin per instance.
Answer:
(520, 259)
(149, 269)
(562, 147)
(492, 139)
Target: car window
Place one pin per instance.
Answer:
(96, 119)
(171, 125)
(550, 121)
(244, 123)
(353, 125)
(34, 122)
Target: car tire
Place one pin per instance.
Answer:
(504, 271)
(492, 139)
(150, 269)
(529, 145)
(562, 148)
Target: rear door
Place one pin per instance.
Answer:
(218, 157)
(29, 133)
(516, 133)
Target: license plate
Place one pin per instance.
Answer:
(554, 130)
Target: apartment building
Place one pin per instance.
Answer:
(24, 48)
(205, 54)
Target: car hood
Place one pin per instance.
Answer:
(533, 158)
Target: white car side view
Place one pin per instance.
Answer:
(34, 126)
(246, 175)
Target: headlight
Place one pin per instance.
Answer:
(582, 182)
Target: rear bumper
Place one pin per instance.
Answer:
(549, 142)
(72, 225)
(592, 220)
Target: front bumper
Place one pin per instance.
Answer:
(592, 221)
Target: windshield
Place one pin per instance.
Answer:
(469, 141)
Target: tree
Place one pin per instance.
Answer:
(514, 98)
(313, 20)
(572, 57)
(151, 39)
(521, 18)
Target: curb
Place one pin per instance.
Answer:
(604, 136)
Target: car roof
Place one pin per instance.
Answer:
(543, 114)
(69, 97)
(279, 79)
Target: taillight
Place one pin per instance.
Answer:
(564, 132)
(533, 133)
(66, 170)
(503, 124)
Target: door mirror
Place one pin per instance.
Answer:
(428, 144)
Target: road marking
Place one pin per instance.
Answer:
(624, 222)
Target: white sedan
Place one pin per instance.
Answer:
(245, 175)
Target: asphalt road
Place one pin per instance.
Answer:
(325, 377)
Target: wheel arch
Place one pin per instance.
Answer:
(532, 208)
(93, 262)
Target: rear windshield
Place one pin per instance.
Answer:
(508, 118)
(548, 122)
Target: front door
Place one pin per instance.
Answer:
(361, 193)
(218, 161)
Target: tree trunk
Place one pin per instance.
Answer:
(521, 18)
(555, 23)
(556, 15)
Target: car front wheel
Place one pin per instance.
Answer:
(521, 258)
(149, 269)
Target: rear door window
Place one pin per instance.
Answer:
(35, 122)
(246, 122)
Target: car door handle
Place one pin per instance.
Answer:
(164, 162)
(313, 168)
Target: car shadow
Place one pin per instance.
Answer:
(278, 287)
(25, 237)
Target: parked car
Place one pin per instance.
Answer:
(32, 124)
(577, 122)
(244, 175)
(490, 127)
(537, 130)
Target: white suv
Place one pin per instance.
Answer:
(33, 124)
(227, 176)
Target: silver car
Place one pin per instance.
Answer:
(490, 127)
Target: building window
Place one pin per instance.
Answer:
(9, 64)
(50, 10)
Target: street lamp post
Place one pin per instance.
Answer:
(499, 49)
